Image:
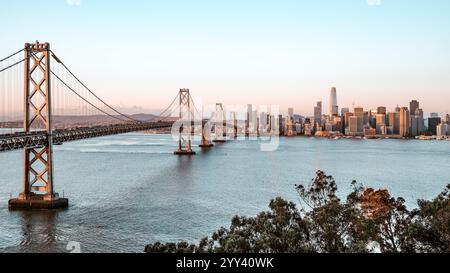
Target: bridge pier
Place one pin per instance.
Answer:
(205, 143)
(38, 190)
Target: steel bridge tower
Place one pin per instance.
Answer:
(220, 124)
(186, 119)
(38, 185)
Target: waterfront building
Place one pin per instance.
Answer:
(380, 122)
(289, 127)
(389, 130)
(369, 132)
(308, 128)
(442, 129)
(404, 122)
(318, 112)
(433, 122)
(355, 126)
(421, 121)
(414, 128)
(447, 119)
(394, 122)
(338, 124)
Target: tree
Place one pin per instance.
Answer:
(430, 228)
(369, 220)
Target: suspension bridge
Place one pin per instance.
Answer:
(43, 103)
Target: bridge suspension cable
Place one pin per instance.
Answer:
(85, 100)
(12, 55)
(89, 90)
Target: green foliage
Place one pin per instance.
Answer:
(368, 221)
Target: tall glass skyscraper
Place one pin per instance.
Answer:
(334, 108)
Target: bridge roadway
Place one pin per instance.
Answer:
(10, 142)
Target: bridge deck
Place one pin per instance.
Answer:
(40, 138)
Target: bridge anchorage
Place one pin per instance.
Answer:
(38, 192)
(186, 120)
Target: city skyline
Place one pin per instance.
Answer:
(287, 53)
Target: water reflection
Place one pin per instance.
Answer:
(39, 232)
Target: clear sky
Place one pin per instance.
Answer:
(284, 52)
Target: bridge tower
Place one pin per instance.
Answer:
(235, 124)
(38, 185)
(185, 130)
(220, 124)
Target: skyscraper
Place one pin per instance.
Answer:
(447, 119)
(420, 120)
(404, 122)
(355, 126)
(381, 110)
(291, 112)
(394, 122)
(344, 110)
(318, 113)
(413, 106)
(334, 108)
(414, 127)
(433, 122)
(380, 121)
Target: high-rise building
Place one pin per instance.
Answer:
(433, 122)
(382, 110)
(447, 119)
(344, 111)
(397, 109)
(442, 129)
(414, 127)
(420, 121)
(394, 122)
(347, 118)
(434, 115)
(413, 106)
(404, 122)
(359, 112)
(318, 112)
(291, 112)
(380, 122)
(334, 108)
(355, 125)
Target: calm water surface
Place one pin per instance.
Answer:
(129, 190)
